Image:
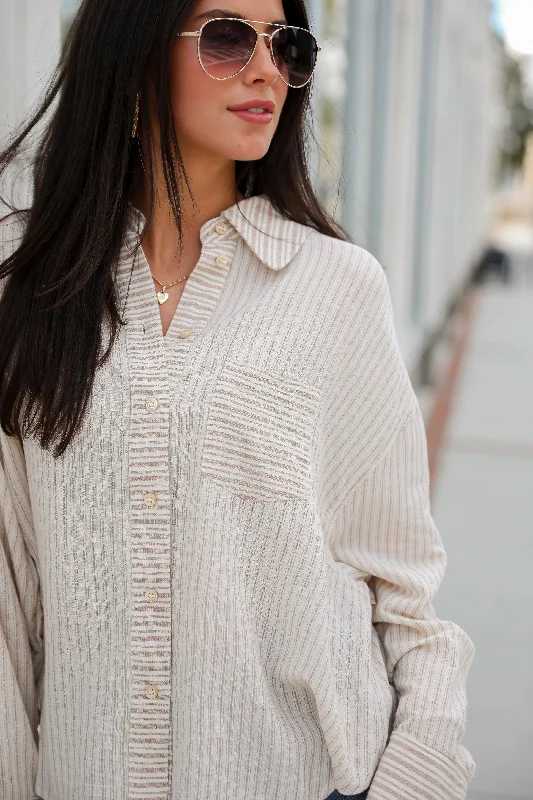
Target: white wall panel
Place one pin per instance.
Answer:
(420, 148)
(29, 52)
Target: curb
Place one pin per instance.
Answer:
(443, 403)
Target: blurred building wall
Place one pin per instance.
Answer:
(30, 44)
(415, 118)
(30, 33)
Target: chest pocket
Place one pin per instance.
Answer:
(259, 434)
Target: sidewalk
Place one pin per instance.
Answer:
(483, 506)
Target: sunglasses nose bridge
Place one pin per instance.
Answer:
(268, 43)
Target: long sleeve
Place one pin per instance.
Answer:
(376, 511)
(21, 630)
(385, 528)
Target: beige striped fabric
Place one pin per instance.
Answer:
(224, 587)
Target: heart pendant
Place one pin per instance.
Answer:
(162, 297)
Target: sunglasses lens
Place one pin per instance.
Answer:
(295, 51)
(226, 46)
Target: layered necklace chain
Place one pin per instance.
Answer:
(163, 295)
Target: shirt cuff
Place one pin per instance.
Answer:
(410, 770)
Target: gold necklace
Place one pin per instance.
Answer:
(162, 296)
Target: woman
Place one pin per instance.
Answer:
(218, 558)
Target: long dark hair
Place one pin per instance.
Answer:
(61, 275)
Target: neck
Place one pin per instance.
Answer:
(213, 187)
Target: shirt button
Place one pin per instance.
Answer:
(220, 228)
(222, 261)
(151, 691)
(185, 334)
(151, 594)
(152, 403)
(150, 499)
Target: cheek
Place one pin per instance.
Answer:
(281, 96)
(191, 89)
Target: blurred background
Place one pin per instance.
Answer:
(424, 151)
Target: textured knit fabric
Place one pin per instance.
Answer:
(224, 587)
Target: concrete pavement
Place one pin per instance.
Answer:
(483, 507)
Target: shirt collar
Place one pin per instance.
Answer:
(273, 238)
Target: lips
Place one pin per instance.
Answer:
(268, 105)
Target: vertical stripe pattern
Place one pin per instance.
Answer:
(224, 587)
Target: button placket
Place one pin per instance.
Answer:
(219, 241)
(150, 549)
(153, 369)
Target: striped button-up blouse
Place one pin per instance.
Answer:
(223, 588)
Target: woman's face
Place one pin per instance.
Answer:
(200, 103)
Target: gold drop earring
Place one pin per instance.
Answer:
(136, 118)
(134, 131)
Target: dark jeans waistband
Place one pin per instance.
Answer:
(338, 796)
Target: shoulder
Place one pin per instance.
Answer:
(359, 281)
(350, 260)
(365, 357)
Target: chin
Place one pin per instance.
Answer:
(250, 152)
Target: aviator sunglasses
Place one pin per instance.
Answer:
(226, 45)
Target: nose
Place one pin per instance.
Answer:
(262, 58)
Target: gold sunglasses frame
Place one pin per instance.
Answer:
(268, 37)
